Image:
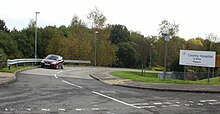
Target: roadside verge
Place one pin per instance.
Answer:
(107, 78)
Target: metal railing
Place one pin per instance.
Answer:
(30, 60)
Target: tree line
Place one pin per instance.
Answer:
(115, 45)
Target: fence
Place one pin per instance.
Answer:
(17, 61)
(189, 75)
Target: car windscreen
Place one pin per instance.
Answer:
(52, 57)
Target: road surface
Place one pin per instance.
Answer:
(73, 91)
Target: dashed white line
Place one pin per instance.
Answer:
(43, 109)
(122, 102)
(72, 84)
(203, 101)
(61, 109)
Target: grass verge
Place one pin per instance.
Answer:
(153, 77)
(14, 69)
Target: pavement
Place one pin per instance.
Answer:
(104, 76)
(6, 77)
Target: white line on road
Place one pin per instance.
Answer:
(141, 104)
(122, 102)
(55, 75)
(43, 109)
(72, 84)
(203, 101)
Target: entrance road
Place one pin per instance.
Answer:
(73, 91)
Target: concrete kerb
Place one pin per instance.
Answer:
(170, 89)
(93, 76)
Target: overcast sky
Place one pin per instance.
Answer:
(196, 18)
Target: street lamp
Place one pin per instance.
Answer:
(166, 37)
(151, 45)
(36, 34)
(95, 54)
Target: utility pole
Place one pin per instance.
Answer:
(35, 53)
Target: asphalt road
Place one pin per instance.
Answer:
(73, 91)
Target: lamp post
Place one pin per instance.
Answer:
(166, 37)
(95, 53)
(150, 55)
(36, 34)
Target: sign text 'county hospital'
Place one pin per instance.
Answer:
(197, 58)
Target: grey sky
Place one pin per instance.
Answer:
(197, 18)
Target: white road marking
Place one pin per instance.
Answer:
(191, 101)
(167, 103)
(141, 104)
(122, 102)
(72, 84)
(61, 109)
(28, 109)
(157, 103)
(214, 103)
(148, 107)
(43, 109)
(55, 75)
(203, 101)
(199, 104)
(174, 105)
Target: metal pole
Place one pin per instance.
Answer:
(35, 53)
(150, 55)
(165, 60)
(95, 53)
(208, 74)
(184, 74)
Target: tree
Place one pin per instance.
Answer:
(119, 34)
(3, 26)
(106, 51)
(142, 47)
(126, 55)
(194, 44)
(174, 47)
(98, 18)
(212, 37)
(166, 27)
(51, 39)
(23, 43)
(9, 46)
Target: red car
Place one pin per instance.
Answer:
(53, 61)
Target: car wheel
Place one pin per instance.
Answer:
(62, 66)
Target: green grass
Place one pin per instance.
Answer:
(14, 69)
(153, 77)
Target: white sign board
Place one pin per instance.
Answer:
(197, 58)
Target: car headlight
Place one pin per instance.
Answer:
(54, 62)
(42, 61)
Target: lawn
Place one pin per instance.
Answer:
(153, 77)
